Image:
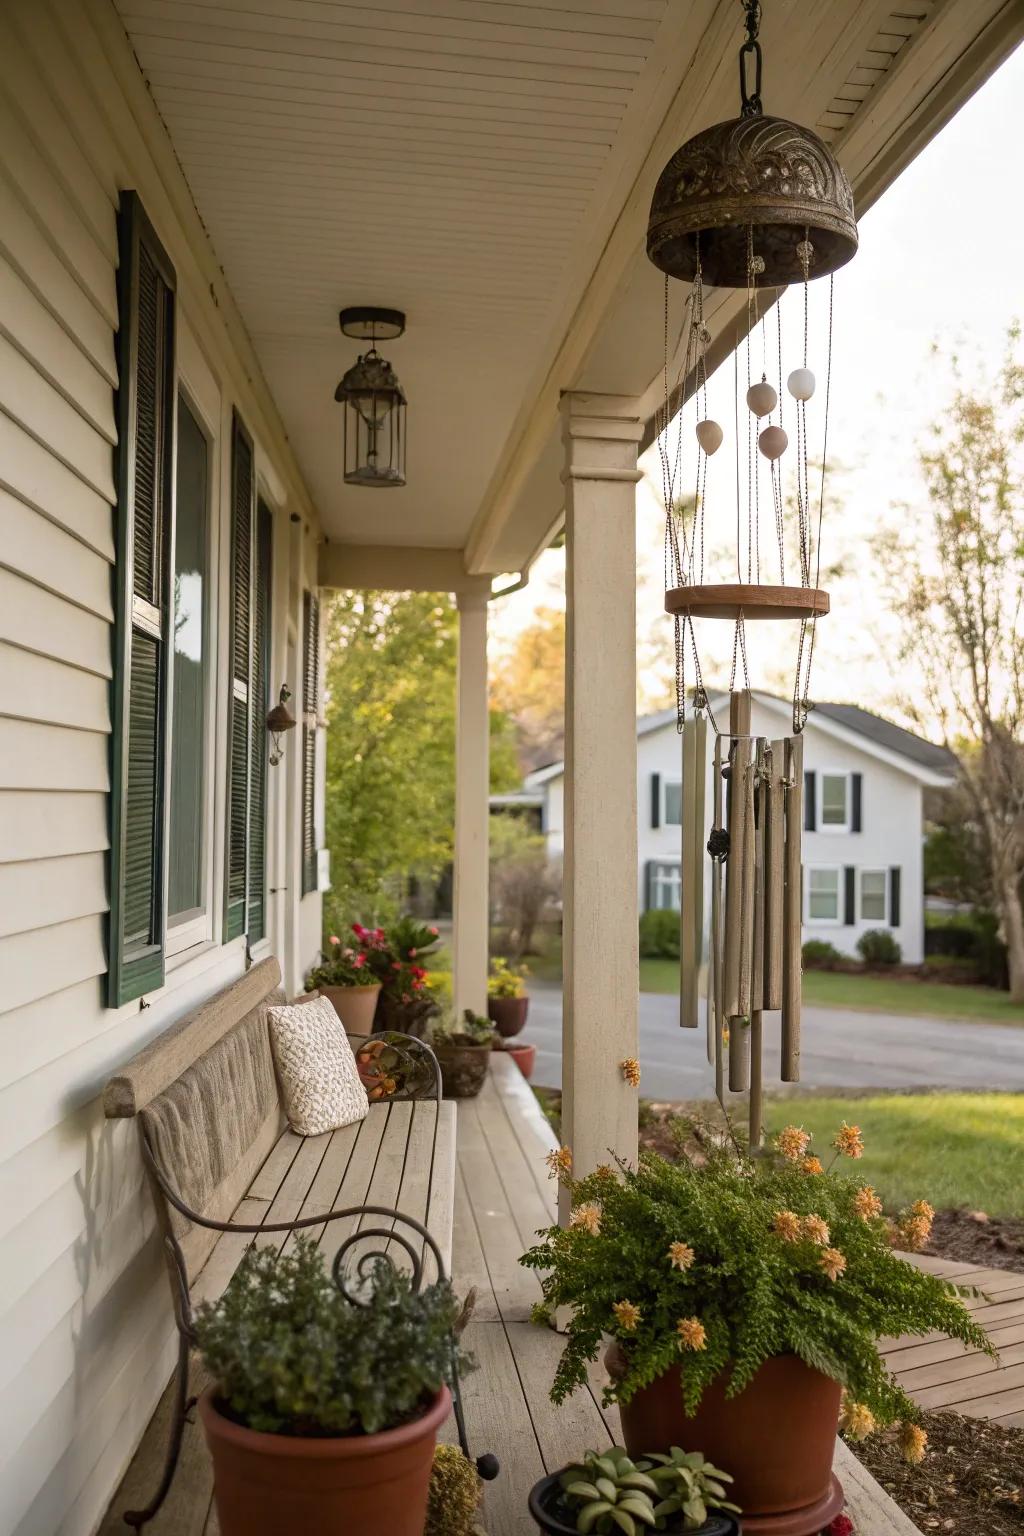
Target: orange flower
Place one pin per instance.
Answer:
(832, 1262)
(559, 1162)
(914, 1232)
(792, 1141)
(816, 1230)
(587, 1217)
(626, 1315)
(923, 1209)
(691, 1333)
(913, 1442)
(867, 1204)
(604, 1171)
(786, 1224)
(848, 1141)
(680, 1255)
(811, 1165)
(856, 1420)
(631, 1071)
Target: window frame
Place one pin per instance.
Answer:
(834, 827)
(826, 922)
(861, 915)
(657, 878)
(666, 784)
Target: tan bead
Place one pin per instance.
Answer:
(709, 435)
(762, 398)
(801, 383)
(773, 442)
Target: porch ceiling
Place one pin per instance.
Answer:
(486, 166)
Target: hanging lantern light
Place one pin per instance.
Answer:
(374, 402)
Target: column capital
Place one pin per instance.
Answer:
(601, 434)
(474, 601)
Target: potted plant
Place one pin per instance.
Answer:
(396, 956)
(324, 1413)
(507, 1002)
(345, 978)
(609, 1494)
(463, 1050)
(742, 1296)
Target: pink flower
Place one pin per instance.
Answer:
(359, 961)
(396, 965)
(412, 954)
(358, 930)
(434, 931)
(334, 939)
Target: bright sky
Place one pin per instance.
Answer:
(941, 259)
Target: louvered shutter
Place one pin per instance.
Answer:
(856, 802)
(810, 800)
(243, 503)
(258, 738)
(655, 800)
(145, 542)
(310, 708)
(894, 896)
(849, 896)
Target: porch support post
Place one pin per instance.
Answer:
(470, 904)
(601, 434)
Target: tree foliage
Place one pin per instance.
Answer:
(529, 687)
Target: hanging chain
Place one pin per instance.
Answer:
(751, 48)
(802, 685)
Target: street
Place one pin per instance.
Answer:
(840, 1050)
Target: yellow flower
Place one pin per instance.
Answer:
(725, 1034)
(631, 1071)
(923, 1209)
(604, 1171)
(914, 1232)
(866, 1203)
(913, 1441)
(816, 1230)
(857, 1420)
(626, 1315)
(691, 1333)
(832, 1262)
(792, 1141)
(588, 1217)
(848, 1141)
(559, 1162)
(811, 1165)
(680, 1255)
(786, 1224)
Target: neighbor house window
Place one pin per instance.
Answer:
(835, 801)
(673, 809)
(822, 895)
(665, 886)
(873, 893)
(186, 853)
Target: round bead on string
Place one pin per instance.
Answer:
(773, 442)
(709, 436)
(762, 398)
(801, 383)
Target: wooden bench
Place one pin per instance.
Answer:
(225, 1170)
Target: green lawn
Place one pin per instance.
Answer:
(954, 1149)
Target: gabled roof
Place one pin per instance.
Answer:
(886, 734)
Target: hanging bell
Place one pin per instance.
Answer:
(709, 436)
(762, 398)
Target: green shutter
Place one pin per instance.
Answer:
(243, 507)
(144, 542)
(258, 738)
(310, 707)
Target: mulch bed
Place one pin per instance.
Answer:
(997, 1242)
(971, 1483)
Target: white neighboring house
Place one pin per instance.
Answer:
(863, 839)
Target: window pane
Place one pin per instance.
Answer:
(667, 891)
(872, 895)
(823, 894)
(833, 799)
(185, 849)
(673, 804)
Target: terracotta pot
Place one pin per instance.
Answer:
(463, 1069)
(508, 1014)
(287, 1485)
(777, 1437)
(523, 1054)
(355, 1006)
(544, 1505)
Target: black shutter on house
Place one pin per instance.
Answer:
(145, 542)
(310, 707)
(894, 897)
(856, 802)
(655, 800)
(849, 895)
(648, 885)
(243, 505)
(260, 706)
(810, 797)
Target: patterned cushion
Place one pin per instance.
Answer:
(320, 1085)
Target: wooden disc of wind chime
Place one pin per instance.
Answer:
(754, 203)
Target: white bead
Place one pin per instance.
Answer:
(762, 398)
(773, 442)
(801, 383)
(709, 435)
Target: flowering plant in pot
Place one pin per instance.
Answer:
(324, 1413)
(507, 1002)
(346, 979)
(396, 956)
(743, 1296)
(463, 1050)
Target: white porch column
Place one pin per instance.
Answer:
(470, 903)
(601, 967)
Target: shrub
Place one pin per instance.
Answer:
(878, 947)
(471, 1029)
(506, 979)
(659, 934)
(818, 955)
(292, 1356)
(969, 936)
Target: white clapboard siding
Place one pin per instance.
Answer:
(35, 688)
(36, 895)
(51, 957)
(34, 547)
(36, 756)
(30, 471)
(54, 352)
(40, 825)
(29, 398)
(43, 622)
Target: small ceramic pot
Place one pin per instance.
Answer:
(463, 1069)
(523, 1054)
(355, 1006)
(508, 1014)
(550, 1514)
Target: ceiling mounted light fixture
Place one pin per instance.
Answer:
(374, 401)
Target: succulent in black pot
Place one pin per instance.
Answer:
(609, 1494)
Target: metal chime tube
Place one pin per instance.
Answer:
(757, 1003)
(691, 906)
(773, 812)
(739, 891)
(716, 1013)
(792, 919)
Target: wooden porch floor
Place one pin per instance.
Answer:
(503, 1195)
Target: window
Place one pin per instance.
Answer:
(261, 704)
(873, 891)
(186, 853)
(243, 511)
(835, 802)
(673, 803)
(665, 886)
(823, 895)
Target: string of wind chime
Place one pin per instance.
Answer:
(753, 204)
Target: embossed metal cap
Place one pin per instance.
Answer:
(752, 184)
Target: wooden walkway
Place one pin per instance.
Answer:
(502, 1196)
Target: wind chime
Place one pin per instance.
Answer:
(753, 204)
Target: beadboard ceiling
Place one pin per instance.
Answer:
(484, 165)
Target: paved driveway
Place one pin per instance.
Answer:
(840, 1050)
